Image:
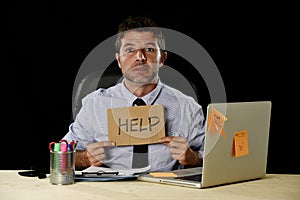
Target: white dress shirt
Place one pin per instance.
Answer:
(183, 116)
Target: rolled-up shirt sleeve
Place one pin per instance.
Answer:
(80, 130)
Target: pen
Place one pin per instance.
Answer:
(63, 145)
(72, 144)
(53, 152)
(99, 173)
(70, 147)
(75, 145)
(63, 156)
(56, 147)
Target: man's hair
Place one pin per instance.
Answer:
(140, 24)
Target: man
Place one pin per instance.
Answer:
(140, 48)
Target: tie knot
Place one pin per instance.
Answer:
(138, 102)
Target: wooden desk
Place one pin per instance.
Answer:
(273, 186)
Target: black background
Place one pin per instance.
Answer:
(44, 44)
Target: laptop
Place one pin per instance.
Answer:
(235, 150)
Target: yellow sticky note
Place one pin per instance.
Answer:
(163, 174)
(240, 143)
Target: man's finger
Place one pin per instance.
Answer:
(105, 144)
(166, 140)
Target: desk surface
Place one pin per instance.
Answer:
(273, 186)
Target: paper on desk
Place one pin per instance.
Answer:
(127, 172)
(97, 169)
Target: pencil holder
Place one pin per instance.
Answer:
(62, 167)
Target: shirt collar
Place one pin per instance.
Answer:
(148, 98)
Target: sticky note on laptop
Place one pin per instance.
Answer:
(163, 174)
(240, 143)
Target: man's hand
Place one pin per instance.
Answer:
(93, 155)
(181, 151)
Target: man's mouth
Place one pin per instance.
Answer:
(139, 69)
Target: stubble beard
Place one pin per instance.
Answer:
(142, 80)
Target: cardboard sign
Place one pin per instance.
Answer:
(136, 124)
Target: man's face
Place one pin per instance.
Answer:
(140, 57)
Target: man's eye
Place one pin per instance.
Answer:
(149, 49)
(129, 50)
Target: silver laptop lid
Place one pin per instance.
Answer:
(237, 151)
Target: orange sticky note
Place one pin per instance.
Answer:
(240, 143)
(215, 122)
(163, 174)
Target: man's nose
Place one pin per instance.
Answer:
(140, 56)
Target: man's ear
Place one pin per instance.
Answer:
(118, 59)
(163, 57)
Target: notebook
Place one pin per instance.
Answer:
(235, 150)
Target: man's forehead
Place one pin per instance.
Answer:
(138, 37)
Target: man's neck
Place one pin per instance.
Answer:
(140, 89)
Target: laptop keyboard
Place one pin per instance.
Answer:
(197, 177)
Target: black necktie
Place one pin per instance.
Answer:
(140, 152)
